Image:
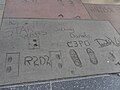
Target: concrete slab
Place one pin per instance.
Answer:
(105, 12)
(46, 9)
(1, 11)
(2, 1)
(40, 50)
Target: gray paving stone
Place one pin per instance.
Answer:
(98, 83)
(29, 87)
